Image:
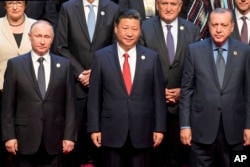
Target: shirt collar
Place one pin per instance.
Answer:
(239, 15)
(173, 23)
(224, 46)
(35, 57)
(86, 3)
(121, 52)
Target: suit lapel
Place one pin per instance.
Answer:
(100, 20)
(54, 70)
(138, 67)
(30, 73)
(80, 16)
(180, 42)
(209, 60)
(232, 49)
(9, 35)
(160, 37)
(115, 64)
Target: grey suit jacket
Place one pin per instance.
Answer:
(153, 37)
(28, 117)
(203, 102)
(118, 115)
(73, 39)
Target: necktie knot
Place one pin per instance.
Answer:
(169, 27)
(40, 60)
(126, 56)
(244, 18)
(220, 51)
(91, 7)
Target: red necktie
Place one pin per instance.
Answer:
(127, 74)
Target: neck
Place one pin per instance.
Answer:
(16, 23)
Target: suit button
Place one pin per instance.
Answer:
(219, 108)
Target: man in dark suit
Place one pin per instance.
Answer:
(126, 105)
(214, 103)
(75, 43)
(183, 33)
(38, 114)
(145, 8)
(39, 10)
(241, 11)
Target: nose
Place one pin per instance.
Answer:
(218, 28)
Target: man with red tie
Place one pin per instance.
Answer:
(126, 104)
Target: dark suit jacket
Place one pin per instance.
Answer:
(153, 37)
(235, 34)
(203, 102)
(113, 112)
(73, 39)
(139, 6)
(38, 10)
(133, 4)
(29, 118)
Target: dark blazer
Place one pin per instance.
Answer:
(236, 33)
(113, 112)
(73, 39)
(203, 102)
(133, 4)
(38, 10)
(153, 37)
(29, 118)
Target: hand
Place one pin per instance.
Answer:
(157, 137)
(96, 138)
(186, 136)
(11, 146)
(246, 137)
(172, 95)
(68, 146)
(84, 77)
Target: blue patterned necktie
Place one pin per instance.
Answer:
(170, 44)
(91, 21)
(41, 77)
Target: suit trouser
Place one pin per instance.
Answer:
(3, 152)
(127, 156)
(216, 154)
(39, 159)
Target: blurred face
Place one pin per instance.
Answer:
(41, 37)
(128, 33)
(220, 27)
(168, 9)
(243, 6)
(15, 9)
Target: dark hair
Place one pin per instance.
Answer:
(4, 4)
(128, 14)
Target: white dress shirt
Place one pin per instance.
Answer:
(174, 31)
(86, 8)
(131, 59)
(46, 64)
(240, 21)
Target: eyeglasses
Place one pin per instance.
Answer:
(12, 3)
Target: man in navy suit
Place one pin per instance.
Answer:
(154, 36)
(215, 94)
(38, 126)
(126, 115)
(75, 43)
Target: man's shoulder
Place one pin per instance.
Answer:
(188, 24)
